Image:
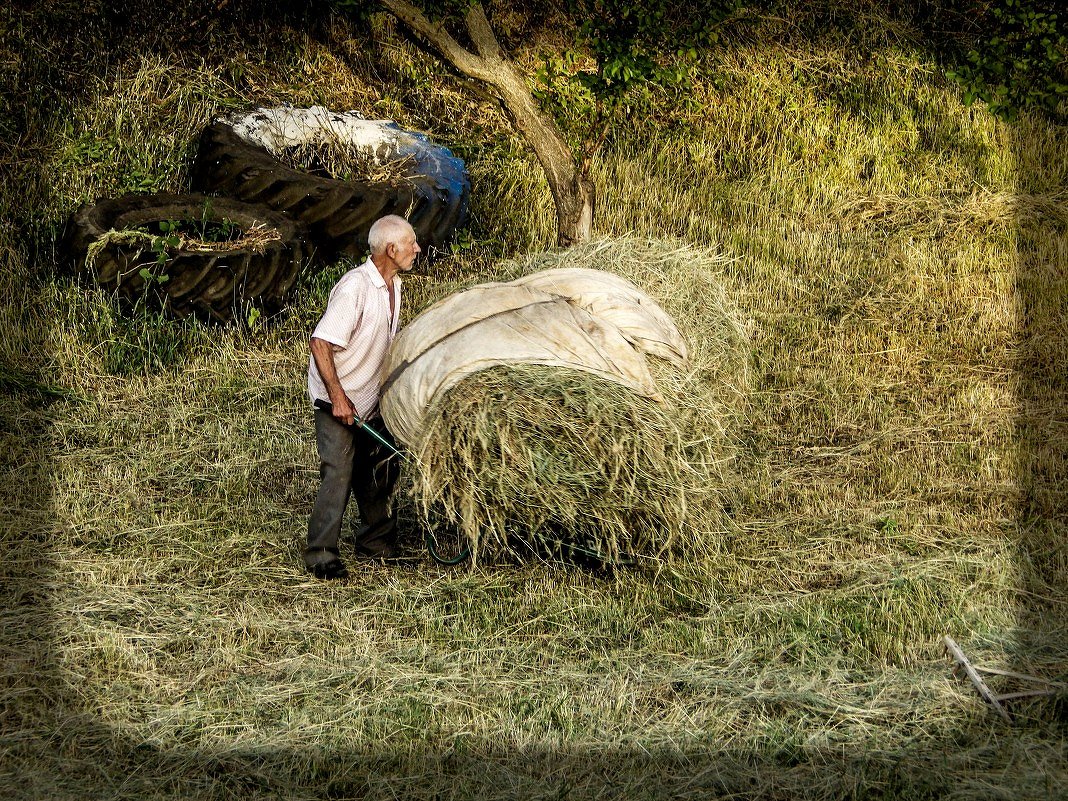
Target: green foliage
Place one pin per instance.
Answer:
(109, 154)
(654, 41)
(165, 237)
(624, 57)
(170, 235)
(205, 228)
(1020, 61)
(151, 277)
(167, 240)
(17, 380)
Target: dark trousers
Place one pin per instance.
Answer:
(351, 461)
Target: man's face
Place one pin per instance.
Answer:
(405, 251)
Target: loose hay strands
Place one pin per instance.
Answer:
(533, 458)
(336, 158)
(142, 240)
(525, 459)
(255, 238)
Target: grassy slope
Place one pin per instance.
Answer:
(901, 259)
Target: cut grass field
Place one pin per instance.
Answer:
(900, 263)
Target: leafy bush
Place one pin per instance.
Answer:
(623, 57)
(1019, 60)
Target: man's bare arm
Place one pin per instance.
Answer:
(323, 353)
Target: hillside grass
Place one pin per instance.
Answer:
(899, 260)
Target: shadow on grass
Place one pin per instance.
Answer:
(482, 771)
(1042, 402)
(29, 674)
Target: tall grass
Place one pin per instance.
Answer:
(884, 245)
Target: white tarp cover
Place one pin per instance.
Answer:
(570, 317)
(617, 301)
(383, 140)
(286, 126)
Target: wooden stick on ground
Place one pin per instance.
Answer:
(977, 680)
(1026, 694)
(1022, 676)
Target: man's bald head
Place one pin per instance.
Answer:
(391, 229)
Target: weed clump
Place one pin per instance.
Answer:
(167, 237)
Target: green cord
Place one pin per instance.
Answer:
(432, 545)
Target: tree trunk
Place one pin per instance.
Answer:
(572, 189)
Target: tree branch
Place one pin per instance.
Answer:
(439, 38)
(481, 33)
(605, 123)
(571, 188)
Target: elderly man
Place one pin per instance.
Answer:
(348, 348)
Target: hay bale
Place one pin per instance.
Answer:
(576, 320)
(531, 459)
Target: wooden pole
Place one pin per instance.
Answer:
(977, 680)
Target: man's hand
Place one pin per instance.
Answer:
(344, 411)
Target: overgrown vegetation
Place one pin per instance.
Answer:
(897, 258)
(164, 237)
(1019, 58)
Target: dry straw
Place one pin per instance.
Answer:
(954, 213)
(255, 238)
(527, 460)
(338, 158)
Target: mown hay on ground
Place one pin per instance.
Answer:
(534, 460)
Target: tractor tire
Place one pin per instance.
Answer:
(237, 158)
(210, 284)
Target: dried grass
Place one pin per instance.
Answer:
(541, 460)
(337, 158)
(953, 213)
(255, 238)
(142, 240)
(902, 457)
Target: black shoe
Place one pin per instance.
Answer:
(330, 569)
(378, 541)
(334, 569)
(388, 554)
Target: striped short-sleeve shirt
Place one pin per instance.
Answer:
(359, 324)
